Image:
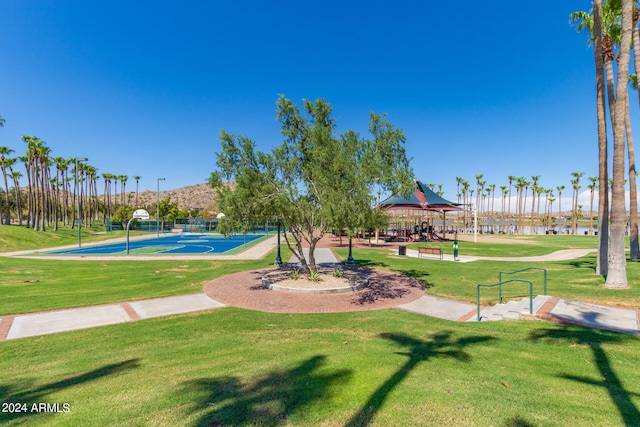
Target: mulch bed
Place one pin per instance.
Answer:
(245, 290)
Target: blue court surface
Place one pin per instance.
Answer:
(175, 244)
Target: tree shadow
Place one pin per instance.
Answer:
(386, 287)
(595, 338)
(440, 344)
(268, 401)
(27, 395)
(584, 262)
(370, 263)
(416, 274)
(518, 421)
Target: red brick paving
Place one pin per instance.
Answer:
(244, 289)
(331, 241)
(385, 289)
(130, 311)
(5, 325)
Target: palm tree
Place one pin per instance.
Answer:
(44, 180)
(523, 196)
(61, 164)
(107, 194)
(16, 189)
(92, 192)
(519, 186)
(4, 161)
(2, 121)
(481, 197)
(603, 173)
(594, 24)
(137, 178)
(574, 205)
(123, 188)
(25, 160)
(547, 205)
(465, 197)
(504, 190)
(511, 179)
(560, 188)
(35, 148)
(539, 190)
(492, 189)
(534, 191)
(115, 190)
(592, 187)
(478, 178)
(617, 273)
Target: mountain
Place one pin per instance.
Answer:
(193, 196)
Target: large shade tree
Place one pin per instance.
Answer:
(316, 180)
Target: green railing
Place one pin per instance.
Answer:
(544, 270)
(499, 284)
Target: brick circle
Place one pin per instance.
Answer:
(385, 290)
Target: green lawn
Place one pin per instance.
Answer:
(574, 279)
(521, 246)
(231, 366)
(44, 284)
(19, 238)
(384, 368)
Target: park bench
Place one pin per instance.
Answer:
(429, 251)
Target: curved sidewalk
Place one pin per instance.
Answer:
(561, 255)
(244, 290)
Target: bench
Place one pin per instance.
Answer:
(429, 251)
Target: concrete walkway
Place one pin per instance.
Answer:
(50, 322)
(556, 310)
(324, 257)
(562, 255)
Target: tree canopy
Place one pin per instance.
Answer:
(316, 180)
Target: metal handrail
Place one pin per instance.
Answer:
(500, 292)
(525, 269)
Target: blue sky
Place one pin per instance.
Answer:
(144, 88)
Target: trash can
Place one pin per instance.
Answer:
(402, 250)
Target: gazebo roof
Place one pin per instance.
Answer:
(422, 198)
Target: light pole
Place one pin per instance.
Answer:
(350, 260)
(278, 257)
(78, 220)
(158, 207)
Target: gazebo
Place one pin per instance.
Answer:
(422, 198)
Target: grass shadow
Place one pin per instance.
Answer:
(588, 262)
(438, 345)
(266, 401)
(35, 395)
(609, 380)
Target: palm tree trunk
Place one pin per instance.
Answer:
(617, 274)
(6, 187)
(633, 194)
(603, 173)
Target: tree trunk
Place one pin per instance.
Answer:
(6, 187)
(603, 173)
(633, 194)
(617, 274)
